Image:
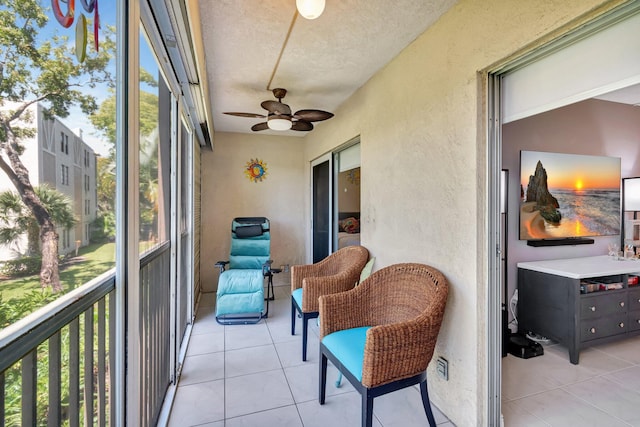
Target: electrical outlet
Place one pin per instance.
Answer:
(442, 368)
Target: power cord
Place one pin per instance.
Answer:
(538, 338)
(513, 303)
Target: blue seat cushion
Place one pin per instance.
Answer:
(348, 347)
(240, 281)
(297, 296)
(246, 303)
(240, 291)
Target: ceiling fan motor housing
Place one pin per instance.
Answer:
(279, 93)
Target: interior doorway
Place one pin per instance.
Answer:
(516, 99)
(335, 200)
(346, 230)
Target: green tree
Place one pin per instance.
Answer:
(32, 72)
(106, 193)
(104, 120)
(16, 218)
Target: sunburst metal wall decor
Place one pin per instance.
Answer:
(256, 170)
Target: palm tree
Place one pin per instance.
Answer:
(16, 219)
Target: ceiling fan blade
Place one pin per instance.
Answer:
(312, 115)
(260, 126)
(276, 107)
(252, 115)
(301, 126)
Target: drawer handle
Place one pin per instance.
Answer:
(621, 324)
(621, 303)
(592, 308)
(592, 330)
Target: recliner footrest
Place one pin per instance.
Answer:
(239, 292)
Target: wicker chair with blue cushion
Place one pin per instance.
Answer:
(336, 273)
(381, 335)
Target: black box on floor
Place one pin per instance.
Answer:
(524, 348)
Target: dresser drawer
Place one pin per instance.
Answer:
(634, 299)
(604, 304)
(592, 329)
(633, 320)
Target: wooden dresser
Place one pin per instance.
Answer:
(579, 301)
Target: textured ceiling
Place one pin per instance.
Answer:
(323, 63)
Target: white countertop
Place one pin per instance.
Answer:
(582, 268)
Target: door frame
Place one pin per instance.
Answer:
(494, 252)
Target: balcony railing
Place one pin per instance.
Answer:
(60, 359)
(56, 363)
(155, 332)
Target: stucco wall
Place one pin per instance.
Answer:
(228, 193)
(421, 122)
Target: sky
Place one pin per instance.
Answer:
(76, 119)
(107, 12)
(572, 171)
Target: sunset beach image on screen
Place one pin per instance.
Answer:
(568, 195)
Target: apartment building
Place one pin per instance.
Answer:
(58, 156)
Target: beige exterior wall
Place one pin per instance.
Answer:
(228, 193)
(421, 122)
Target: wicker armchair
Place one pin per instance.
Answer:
(338, 272)
(381, 335)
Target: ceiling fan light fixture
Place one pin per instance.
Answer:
(279, 124)
(310, 9)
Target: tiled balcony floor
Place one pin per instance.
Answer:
(253, 375)
(602, 390)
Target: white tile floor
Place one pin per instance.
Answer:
(253, 375)
(602, 390)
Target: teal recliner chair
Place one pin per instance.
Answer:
(240, 298)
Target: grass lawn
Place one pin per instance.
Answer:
(92, 260)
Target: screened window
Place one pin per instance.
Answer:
(155, 151)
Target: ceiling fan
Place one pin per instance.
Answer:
(279, 115)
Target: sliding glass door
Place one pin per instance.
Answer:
(321, 207)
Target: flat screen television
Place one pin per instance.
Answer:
(568, 196)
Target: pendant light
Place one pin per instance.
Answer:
(310, 9)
